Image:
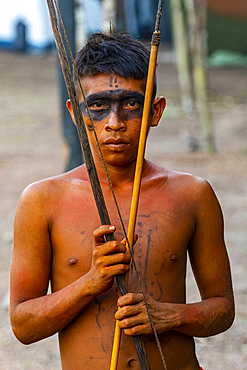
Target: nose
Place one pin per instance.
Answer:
(115, 122)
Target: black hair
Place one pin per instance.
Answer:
(117, 53)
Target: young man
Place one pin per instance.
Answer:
(58, 237)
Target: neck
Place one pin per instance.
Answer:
(120, 175)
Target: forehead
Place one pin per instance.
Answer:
(103, 82)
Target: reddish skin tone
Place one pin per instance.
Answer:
(57, 237)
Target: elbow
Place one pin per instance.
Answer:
(222, 318)
(228, 315)
(231, 313)
(22, 333)
(21, 336)
(21, 329)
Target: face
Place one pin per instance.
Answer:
(115, 104)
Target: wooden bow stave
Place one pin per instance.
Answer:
(90, 165)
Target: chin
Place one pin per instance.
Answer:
(120, 161)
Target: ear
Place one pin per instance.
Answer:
(69, 107)
(159, 106)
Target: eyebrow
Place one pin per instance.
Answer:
(113, 95)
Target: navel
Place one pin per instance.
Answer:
(132, 362)
(72, 261)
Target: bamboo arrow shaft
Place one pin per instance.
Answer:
(142, 143)
(140, 160)
(90, 165)
(136, 190)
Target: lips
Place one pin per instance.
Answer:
(116, 144)
(116, 141)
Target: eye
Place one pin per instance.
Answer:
(97, 106)
(132, 104)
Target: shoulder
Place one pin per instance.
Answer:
(188, 181)
(186, 186)
(179, 179)
(197, 190)
(45, 191)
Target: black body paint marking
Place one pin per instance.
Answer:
(90, 128)
(160, 288)
(149, 236)
(113, 101)
(98, 303)
(158, 273)
(148, 248)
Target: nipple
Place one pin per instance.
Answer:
(73, 261)
(173, 257)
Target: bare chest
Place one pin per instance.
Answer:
(164, 228)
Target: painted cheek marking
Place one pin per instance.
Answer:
(114, 100)
(100, 115)
(90, 128)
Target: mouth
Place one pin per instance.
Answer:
(116, 144)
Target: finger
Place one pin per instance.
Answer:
(135, 238)
(137, 330)
(124, 241)
(115, 259)
(108, 248)
(130, 299)
(117, 269)
(136, 325)
(127, 312)
(101, 231)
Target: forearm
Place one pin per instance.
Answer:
(41, 317)
(209, 317)
(206, 318)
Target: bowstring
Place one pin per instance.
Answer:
(111, 187)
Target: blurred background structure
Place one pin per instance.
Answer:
(36, 140)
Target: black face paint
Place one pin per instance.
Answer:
(113, 81)
(103, 103)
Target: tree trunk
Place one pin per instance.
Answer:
(196, 20)
(182, 56)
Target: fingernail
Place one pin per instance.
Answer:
(112, 228)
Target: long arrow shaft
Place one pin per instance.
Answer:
(139, 166)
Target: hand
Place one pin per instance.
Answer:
(109, 259)
(134, 320)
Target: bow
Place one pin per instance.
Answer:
(82, 133)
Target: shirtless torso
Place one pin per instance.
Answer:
(178, 214)
(160, 257)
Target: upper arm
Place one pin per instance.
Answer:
(30, 267)
(207, 250)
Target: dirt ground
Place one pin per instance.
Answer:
(32, 148)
